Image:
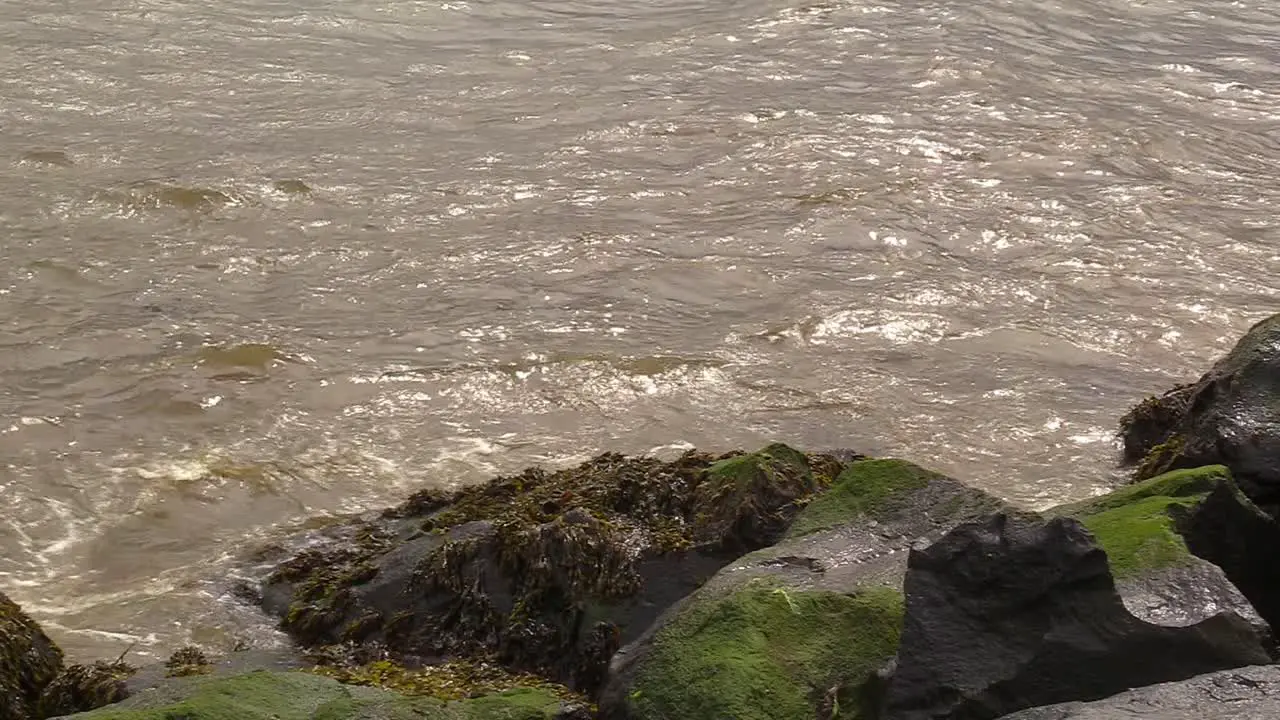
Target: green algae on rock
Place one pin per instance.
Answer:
(268, 695)
(1173, 546)
(768, 652)
(29, 661)
(549, 572)
(1135, 525)
(861, 489)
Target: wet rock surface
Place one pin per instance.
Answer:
(1230, 416)
(1014, 612)
(1249, 693)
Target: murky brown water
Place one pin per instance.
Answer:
(265, 260)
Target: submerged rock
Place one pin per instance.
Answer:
(799, 629)
(266, 695)
(1249, 693)
(1230, 416)
(29, 662)
(547, 572)
(1014, 612)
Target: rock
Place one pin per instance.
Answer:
(799, 629)
(29, 661)
(80, 688)
(1249, 693)
(1230, 416)
(549, 572)
(1145, 530)
(1231, 532)
(1015, 612)
(266, 695)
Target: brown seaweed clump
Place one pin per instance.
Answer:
(545, 572)
(186, 661)
(1150, 431)
(80, 688)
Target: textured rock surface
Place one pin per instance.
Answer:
(1015, 612)
(29, 661)
(1250, 693)
(799, 629)
(1230, 416)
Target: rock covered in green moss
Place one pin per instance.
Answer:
(29, 661)
(764, 651)
(800, 628)
(1135, 524)
(268, 695)
(549, 572)
(1145, 531)
(1230, 416)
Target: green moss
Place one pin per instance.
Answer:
(865, 488)
(304, 696)
(765, 652)
(1134, 524)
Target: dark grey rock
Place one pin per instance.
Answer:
(1249, 693)
(1231, 532)
(1015, 612)
(1230, 416)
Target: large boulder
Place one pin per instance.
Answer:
(1230, 416)
(1015, 612)
(266, 695)
(799, 629)
(1249, 693)
(29, 661)
(548, 572)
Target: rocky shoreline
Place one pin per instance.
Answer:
(772, 585)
